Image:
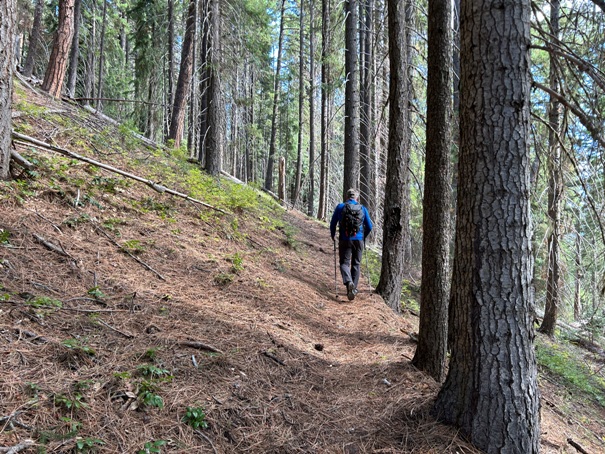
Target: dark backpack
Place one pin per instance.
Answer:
(352, 218)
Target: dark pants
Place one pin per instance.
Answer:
(350, 252)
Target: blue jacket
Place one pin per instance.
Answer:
(364, 231)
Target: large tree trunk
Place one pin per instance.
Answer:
(391, 276)
(7, 28)
(74, 53)
(34, 40)
(434, 293)
(271, 158)
(177, 123)
(214, 147)
(555, 187)
(351, 128)
(57, 65)
(491, 390)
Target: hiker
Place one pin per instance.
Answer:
(354, 226)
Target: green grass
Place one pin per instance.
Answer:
(565, 364)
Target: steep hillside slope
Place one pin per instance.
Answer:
(133, 321)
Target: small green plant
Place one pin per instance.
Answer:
(195, 417)
(151, 354)
(75, 344)
(237, 263)
(152, 447)
(70, 402)
(148, 395)
(133, 246)
(154, 372)
(223, 279)
(112, 224)
(45, 302)
(96, 293)
(75, 221)
(122, 375)
(83, 385)
(4, 236)
(87, 444)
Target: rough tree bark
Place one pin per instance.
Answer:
(434, 292)
(555, 187)
(57, 65)
(326, 127)
(74, 53)
(491, 390)
(34, 40)
(214, 147)
(177, 123)
(301, 98)
(7, 27)
(391, 276)
(351, 127)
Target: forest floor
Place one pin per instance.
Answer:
(150, 309)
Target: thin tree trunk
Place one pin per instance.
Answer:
(7, 28)
(214, 148)
(204, 77)
(577, 300)
(74, 54)
(102, 57)
(89, 77)
(325, 100)
(391, 276)
(311, 195)
(271, 158)
(301, 98)
(553, 298)
(34, 40)
(177, 123)
(57, 65)
(170, 76)
(491, 390)
(365, 150)
(351, 127)
(434, 292)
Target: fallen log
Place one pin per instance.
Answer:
(71, 154)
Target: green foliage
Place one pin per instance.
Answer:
(4, 236)
(290, 233)
(87, 444)
(45, 302)
(70, 402)
(96, 293)
(237, 263)
(563, 362)
(151, 354)
(122, 375)
(195, 417)
(148, 396)
(75, 344)
(154, 372)
(152, 447)
(75, 221)
(111, 224)
(133, 246)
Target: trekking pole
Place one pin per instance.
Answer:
(367, 267)
(335, 285)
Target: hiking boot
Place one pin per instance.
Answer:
(351, 291)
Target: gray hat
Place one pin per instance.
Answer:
(352, 193)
